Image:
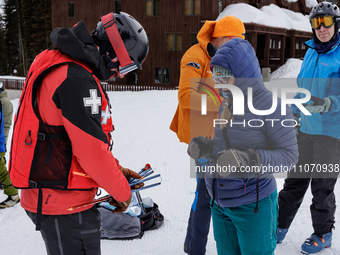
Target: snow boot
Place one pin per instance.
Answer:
(10, 201)
(316, 243)
(281, 234)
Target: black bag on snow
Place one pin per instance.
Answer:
(119, 226)
(152, 219)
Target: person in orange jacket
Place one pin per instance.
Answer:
(189, 122)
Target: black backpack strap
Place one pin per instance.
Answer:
(226, 138)
(33, 184)
(228, 146)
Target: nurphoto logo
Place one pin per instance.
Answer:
(238, 104)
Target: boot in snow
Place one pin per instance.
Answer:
(316, 243)
(281, 234)
(10, 201)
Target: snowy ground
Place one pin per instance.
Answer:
(142, 136)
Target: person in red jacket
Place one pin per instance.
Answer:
(65, 155)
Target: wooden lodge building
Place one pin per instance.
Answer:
(172, 26)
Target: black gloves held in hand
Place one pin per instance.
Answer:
(200, 147)
(233, 159)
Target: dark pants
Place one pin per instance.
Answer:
(71, 234)
(323, 151)
(199, 220)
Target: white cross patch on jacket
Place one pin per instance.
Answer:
(106, 115)
(93, 101)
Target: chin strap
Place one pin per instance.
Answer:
(126, 64)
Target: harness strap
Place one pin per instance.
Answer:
(226, 138)
(252, 156)
(40, 185)
(213, 190)
(126, 64)
(39, 210)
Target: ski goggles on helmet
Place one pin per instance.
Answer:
(326, 21)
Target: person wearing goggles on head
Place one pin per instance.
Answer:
(65, 116)
(318, 135)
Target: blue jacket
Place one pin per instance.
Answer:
(275, 144)
(2, 131)
(320, 75)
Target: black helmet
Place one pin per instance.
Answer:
(326, 9)
(133, 36)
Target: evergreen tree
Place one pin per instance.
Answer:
(37, 25)
(11, 9)
(3, 57)
(27, 26)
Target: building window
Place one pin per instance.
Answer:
(297, 45)
(71, 9)
(174, 41)
(162, 75)
(246, 37)
(193, 39)
(279, 44)
(220, 6)
(152, 7)
(272, 43)
(118, 6)
(303, 46)
(192, 7)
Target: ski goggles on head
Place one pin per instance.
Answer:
(326, 21)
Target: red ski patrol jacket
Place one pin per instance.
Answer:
(69, 96)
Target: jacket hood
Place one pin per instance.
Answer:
(238, 56)
(204, 37)
(310, 44)
(4, 93)
(77, 43)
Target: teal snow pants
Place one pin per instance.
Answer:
(239, 231)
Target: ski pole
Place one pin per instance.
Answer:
(144, 180)
(146, 187)
(147, 166)
(140, 202)
(141, 172)
(146, 172)
(106, 198)
(136, 180)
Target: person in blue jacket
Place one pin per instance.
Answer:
(319, 133)
(245, 151)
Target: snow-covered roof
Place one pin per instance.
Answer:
(309, 3)
(10, 77)
(269, 15)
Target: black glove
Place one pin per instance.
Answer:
(120, 206)
(235, 159)
(200, 147)
(319, 104)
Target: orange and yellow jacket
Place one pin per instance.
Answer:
(188, 121)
